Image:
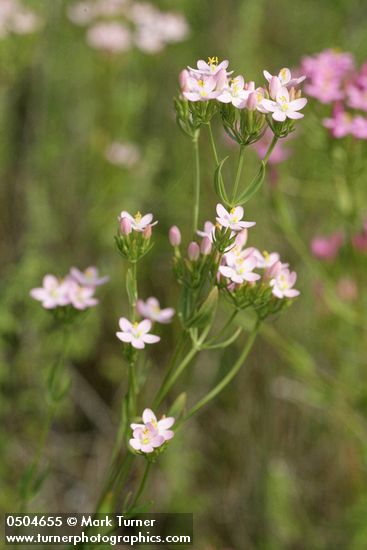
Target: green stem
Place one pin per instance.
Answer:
(238, 173)
(141, 486)
(195, 142)
(228, 378)
(213, 144)
(134, 272)
(270, 149)
(224, 327)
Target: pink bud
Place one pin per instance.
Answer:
(182, 78)
(193, 251)
(125, 226)
(147, 233)
(274, 86)
(251, 103)
(174, 236)
(206, 246)
(292, 94)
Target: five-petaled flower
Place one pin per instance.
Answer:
(201, 89)
(152, 433)
(151, 310)
(283, 107)
(232, 219)
(136, 334)
(235, 93)
(53, 293)
(138, 222)
(240, 269)
(89, 277)
(285, 78)
(283, 281)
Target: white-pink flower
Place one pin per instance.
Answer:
(151, 310)
(283, 107)
(53, 293)
(146, 439)
(240, 270)
(138, 222)
(81, 297)
(212, 68)
(201, 89)
(285, 77)
(162, 426)
(235, 93)
(283, 281)
(122, 154)
(208, 231)
(136, 334)
(264, 259)
(232, 219)
(111, 36)
(90, 277)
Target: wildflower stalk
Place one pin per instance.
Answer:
(228, 378)
(195, 142)
(270, 149)
(212, 142)
(238, 173)
(141, 487)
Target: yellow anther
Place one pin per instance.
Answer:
(213, 60)
(201, 83)
(137, 217)
(283, 73)
(135, 325)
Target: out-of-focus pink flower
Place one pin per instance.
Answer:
(16, 18)
(53, 293)
(341, 122)
(136, 334)
(232, 219)
(360, 240)
(81, 297)
(25, 22)
(193, 251)
(138, 222)
(89, 277)
(162, 426)
(327, 248)
(359, 127)
(279, 153)
(122, 154)
(110, 36)
(81, 13)
(206, 246)
(347, 289)
(284, 107)
(110, 8)
(356, 96)
(327, 73)
(283, 281)
(175, 236)
(151, 310)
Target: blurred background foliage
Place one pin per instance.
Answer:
(279, 461)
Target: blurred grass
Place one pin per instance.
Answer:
(280, 460)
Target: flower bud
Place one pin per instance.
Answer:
(251, 103)
(206, 246)
(292, 94)
(182, 78)
(193, 251)
(274, 86)
(125, 226)
(147, 233)
(174, 236)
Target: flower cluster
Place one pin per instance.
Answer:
(125, 155)
(278, 101)
(16, 18)
(327, 247)
(144, 26)
(133, 238)
(152, 433)
(334, 79)
(75, 290)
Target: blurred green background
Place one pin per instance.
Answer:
(279, 460)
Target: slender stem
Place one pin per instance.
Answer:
(141, 486)
(195, 142)
(228, 378)
(270, 149)
(134, 272)
(224, 328)
(238, 173)
(213, 143)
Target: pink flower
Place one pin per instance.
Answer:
(136, 334)
(161, 426)
(53, 293)
(232, 219)
(340, 124)
(174, 236)
(327, 248)
(356, 96)
(81, 297)
(235, 93)
(206, 246)
(265, 260)
(146, 439)
(285, 78)
(240, 269)
(111, 37)
(152, 310)
(359, 127)
(208, 231)
(122, 154)
(81, 13)
(212, 68)
(193, 251)
(283, 281)
(138, 222)
(89, 277)
(284, 107)
(202, 89)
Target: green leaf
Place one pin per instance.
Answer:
(219, 183)
(253, 187)
(205, 315)
(178, 406)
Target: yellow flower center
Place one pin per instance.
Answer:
(213, 61)
(137, 217)
(283, 73)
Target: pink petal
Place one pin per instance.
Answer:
(294, 115)
(146, 219)
(138, 344)
(221, 211)
(124, 324)
(298, 104)
(145, 326)
(149, 416)
(135, 444)
(168, 434)
(166, 423)
(279, 115)
(150, 338)
(124, 337)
